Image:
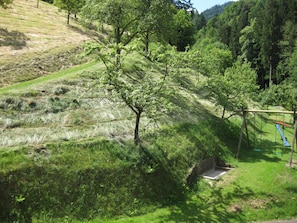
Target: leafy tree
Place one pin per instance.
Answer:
(184, 29)
(287, 45)
(234, 18)
(156, 21)
(4, 3)
(71, 6)
(233, 90)
(122, 16)
(293, 67)
(199, 21)
(138, 83)
(268, 33)
(218, 58)
(284, 94)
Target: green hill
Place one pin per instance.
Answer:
(67, 151)
(59, 127)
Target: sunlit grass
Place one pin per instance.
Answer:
(69, 73)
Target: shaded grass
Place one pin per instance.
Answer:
(70, 73)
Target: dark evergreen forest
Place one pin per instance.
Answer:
(262, 32)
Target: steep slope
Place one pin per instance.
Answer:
(36, 41)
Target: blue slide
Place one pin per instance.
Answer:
(286, 143)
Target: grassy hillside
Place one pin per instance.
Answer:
(60, 127)
(67, 152)
(37, 41)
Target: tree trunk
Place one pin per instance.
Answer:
(117, 33)
(118, 41)
(146, 42)
(136, 130)
(223, 114)
(68, 18)
(37, 4)
(270, 73)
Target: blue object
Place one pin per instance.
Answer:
(286, 143)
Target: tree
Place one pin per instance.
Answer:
(293, 67)
(71, 6)
(268, 34)
(156, 21)
(283, 94)
(199, 21)
(287, 45)
(122, 16)
(184, 30)
(138, 83)
(4, 3)
(233, 90)
(217, 58)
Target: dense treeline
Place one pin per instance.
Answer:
(262, 32)
(215, 10)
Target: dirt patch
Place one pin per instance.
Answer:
(259, 203)
(235, 208)
(293, 165)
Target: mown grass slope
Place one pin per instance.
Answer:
(37, 41)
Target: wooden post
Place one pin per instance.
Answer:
(246, 130)
(295, 119)
(241, 133)
(293, 143)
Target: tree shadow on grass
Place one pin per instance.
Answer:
(15, 39)
(216, 207)
(263, 150)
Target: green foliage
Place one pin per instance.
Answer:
(138, 83)
(215, 57)
(262, 32)
(293, 67)
(184, 29)
(156, 22)
(283, 94)
(122, 16)
(71, 6)
(215, 10)
(4, 3)
(234, 89)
